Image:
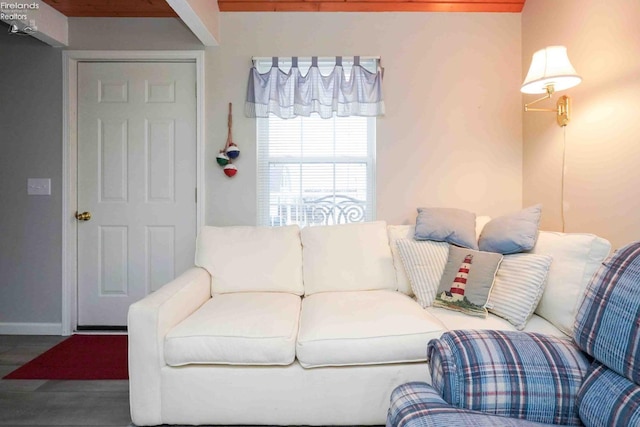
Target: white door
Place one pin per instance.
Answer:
(137, 179)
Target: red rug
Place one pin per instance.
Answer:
(79, 357)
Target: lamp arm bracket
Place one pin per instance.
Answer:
(562, 110)
(552, 110)
(547, 96)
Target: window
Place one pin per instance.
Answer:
(315, 171)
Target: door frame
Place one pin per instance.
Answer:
(70, 60)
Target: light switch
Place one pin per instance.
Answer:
(39, 186)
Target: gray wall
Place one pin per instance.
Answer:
(31, 147)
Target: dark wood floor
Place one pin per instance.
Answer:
(56, 403)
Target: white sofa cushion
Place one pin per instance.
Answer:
(576, 258)
(249, 328)
(363, 328)
(351, 257)
(453, 320)
(251, 259)
(397, 232)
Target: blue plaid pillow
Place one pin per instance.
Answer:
(608, 399)
(607, 325)
(514, 374)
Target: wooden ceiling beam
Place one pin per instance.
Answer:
(160, 8)
(444, 2)
(368, 6)
(113, 8)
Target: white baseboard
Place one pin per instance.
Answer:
(30, 328)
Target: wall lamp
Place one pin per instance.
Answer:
(551, 71)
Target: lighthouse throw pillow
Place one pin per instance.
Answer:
(467, 281)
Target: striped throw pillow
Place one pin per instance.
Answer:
(424, 263)
(518, 287)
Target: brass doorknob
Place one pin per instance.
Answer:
(84, 216)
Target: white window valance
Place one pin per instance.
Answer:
(292, 93)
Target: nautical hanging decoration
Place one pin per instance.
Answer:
(230, 151)
(230, 170)
(222, 159)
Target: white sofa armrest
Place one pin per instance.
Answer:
(150, 319)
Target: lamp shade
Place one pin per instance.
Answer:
(550, 67)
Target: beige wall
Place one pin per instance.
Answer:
(131, 34)
(602, 182)
(452, 135)
(452, 132)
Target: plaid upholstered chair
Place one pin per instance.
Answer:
(492, 378)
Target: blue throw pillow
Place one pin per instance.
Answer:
(513, 233)
(455, 226)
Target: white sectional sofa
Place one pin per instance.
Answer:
(283, 326)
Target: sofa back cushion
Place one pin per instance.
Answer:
(607, 325)
(350, 257)
(576, 258)
(251, 259)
